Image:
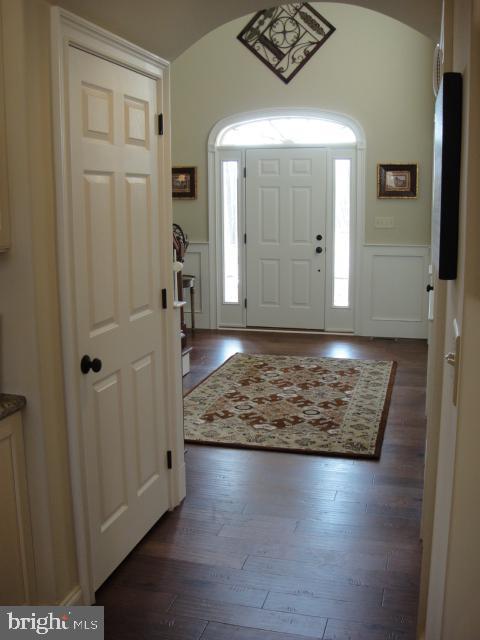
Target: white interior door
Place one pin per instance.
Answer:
(117, 282)
(286, 228)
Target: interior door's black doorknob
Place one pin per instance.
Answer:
(86, 364)
(319, 249)
(429, 288)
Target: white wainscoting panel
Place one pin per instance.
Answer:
(394, 302)
(197, 264)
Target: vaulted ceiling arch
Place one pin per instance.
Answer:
(169, 27)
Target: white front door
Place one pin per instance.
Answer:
(286, 234)
(117, 284)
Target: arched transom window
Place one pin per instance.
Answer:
(287, 131)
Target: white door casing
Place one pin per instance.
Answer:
(286, 199)
(336, 318)
(69, 32)
(117, 287)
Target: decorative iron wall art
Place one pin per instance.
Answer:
(286, 37)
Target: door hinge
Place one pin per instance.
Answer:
(169, 460)
(160, 124)
(245, 303)
(244, 238)
(244, 172)
(164, 299)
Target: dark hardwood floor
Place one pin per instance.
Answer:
(275, 546)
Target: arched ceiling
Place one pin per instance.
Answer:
(169, 27)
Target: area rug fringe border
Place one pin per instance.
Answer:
(352, 456)
(384, 418)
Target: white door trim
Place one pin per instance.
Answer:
(214, 205)
(69, 30)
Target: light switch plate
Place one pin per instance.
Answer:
(384, 222)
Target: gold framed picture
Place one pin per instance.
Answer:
(397, 180)
(184, 183)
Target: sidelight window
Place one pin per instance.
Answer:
(230, 170)
(341, 260)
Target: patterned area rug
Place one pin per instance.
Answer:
(327, 406)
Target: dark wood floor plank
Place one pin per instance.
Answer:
(174, 551)
(403, 560)
(128, 595)
(307, 509)
(375, 493)
(307, 626)
(359, 520)
(134, 622)
(148, 573)
(291, 493)
(276, 546)
(393, 508)
(344, 630)
(334, 574)
(313, 552)
(403, 601)
(328, 608)
(334, 538)
(142, 586)
(211, 522)
(173, 522)
(218, 631)
(382, 479)
(233, 506)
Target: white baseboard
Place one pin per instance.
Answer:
(75, 597)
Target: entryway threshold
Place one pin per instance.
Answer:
(276, 330)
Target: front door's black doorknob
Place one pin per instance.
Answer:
(86, 364)
(319, 237)
(319, 249)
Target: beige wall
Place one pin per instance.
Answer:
(373, 68)
(462, 595)
(30, 337)
(457, 615)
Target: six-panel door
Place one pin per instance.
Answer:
(117, 283)
(285, 223)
